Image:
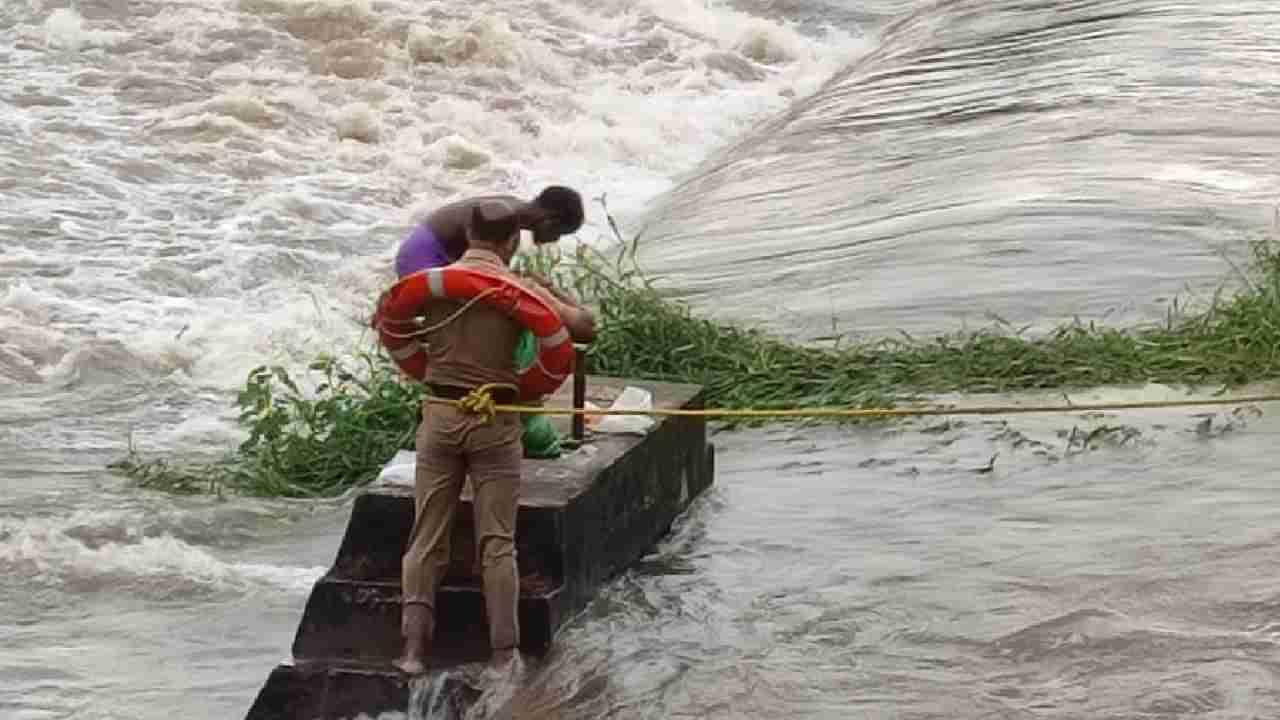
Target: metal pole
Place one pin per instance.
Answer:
(579, 392)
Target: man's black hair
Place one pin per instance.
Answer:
(493, 230)
(565, 203)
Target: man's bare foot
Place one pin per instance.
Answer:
(415, 625)
(410, 666)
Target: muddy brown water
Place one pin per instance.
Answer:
(193, 189)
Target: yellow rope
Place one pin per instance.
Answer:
(481, 402)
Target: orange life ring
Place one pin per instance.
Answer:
(395, 321)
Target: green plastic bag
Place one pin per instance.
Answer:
(540, 437)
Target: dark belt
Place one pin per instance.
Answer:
(501, 396)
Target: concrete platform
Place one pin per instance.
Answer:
(582, 519)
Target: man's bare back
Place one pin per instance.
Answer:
(442, 238)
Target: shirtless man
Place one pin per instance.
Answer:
(472, 349)
(442, 238)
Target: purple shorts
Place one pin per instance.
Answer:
(420, 251)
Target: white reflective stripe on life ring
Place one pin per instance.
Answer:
(555, 338)
(435, 282)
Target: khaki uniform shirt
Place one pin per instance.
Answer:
(479, 345)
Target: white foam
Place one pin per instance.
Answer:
(253, 219)
(64, 28)
(15, 369)
(292, 579)
(197, 122)
(765, 43)
(95, 360)
(355, 121)
(109, 552)
(456, 152)
(245, 105)
(24, 302)
(214, 431)
(37, 344)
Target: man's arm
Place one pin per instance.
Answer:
(550, 287)
(579, 321)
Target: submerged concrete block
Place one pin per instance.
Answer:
(582, 519)
(358, 621)
(318, 691)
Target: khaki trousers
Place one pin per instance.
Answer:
(451, 444)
